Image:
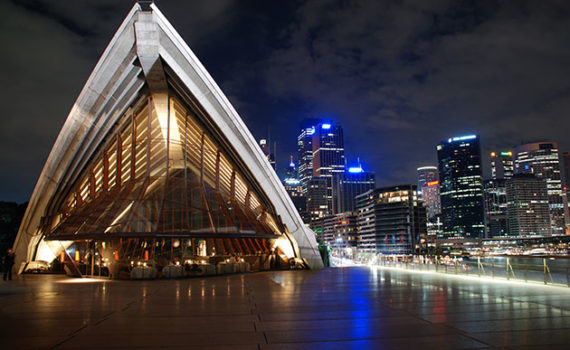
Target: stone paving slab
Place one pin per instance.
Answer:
(337, 308)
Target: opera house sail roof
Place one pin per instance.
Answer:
(152, 150)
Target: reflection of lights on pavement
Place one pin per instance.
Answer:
(474, 278)
(83, 280)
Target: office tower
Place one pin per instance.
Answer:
(391, 220)
(565, 158)
(305, 151)
(428, 190)
(566, 188)
(348, 185)
(528, 208)
(496, 218)
(266, 148)
(340, 230)
(294, 188)
(501, 165)
(317, 203)
(426, 174)
(542, 160)
(461, 187)
(328, 156)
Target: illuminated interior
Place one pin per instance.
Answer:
(161, 188)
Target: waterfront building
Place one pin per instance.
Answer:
(391, 220)
(340, 230)
(528, 206)
(461, 187)
(501, 165)
(154, 166)
(542, 160)
(348, 185)
(496, 218)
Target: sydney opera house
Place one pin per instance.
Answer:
(154, 166)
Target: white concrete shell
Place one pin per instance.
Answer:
(147, 37)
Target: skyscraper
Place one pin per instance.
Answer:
(348, 185)
(305, 151)
(428, 190)
(496, 219)
(328, 156)
(542, 160)
(266, 148)
(566, 188)
(565, 158)
(317, 203)
(426, 174)
(461, 187)
(391, 220)
(528, 208)
(294, 188)
(501, 165)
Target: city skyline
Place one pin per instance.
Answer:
(278, 64)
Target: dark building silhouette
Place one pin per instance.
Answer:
(348, 185)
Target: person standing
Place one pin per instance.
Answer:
(8, 264)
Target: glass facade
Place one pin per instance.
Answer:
(461, 187)
(161, 183)
(391, 220)
(542, 160)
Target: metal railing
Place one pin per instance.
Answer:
(549, 271)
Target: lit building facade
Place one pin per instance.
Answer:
(391, 220)
(426, 174)
(294, 189)
(328, 156)
(340, 230)
(428, 192)
(565, 158)
(153, 166)
(305, 151)
(348, 185)
(496, 218)
(461, 187)
(542, 160)
(317, 201)
(501, 165)
(528, 208)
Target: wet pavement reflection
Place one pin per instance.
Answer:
(337, 308)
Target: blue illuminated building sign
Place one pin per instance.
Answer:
(461, 138)
(326, 126)
(355, 170)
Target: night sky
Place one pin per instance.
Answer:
(400, 76)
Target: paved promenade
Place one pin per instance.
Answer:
(337, 308)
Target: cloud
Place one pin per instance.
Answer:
(414, 74)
